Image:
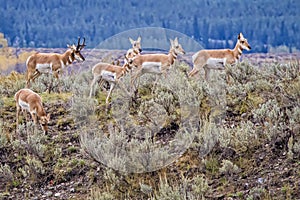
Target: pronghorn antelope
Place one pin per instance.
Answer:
(218, 58)
(28, 100)
(155, 63)
(42, 63)
(110, 73)
(136, 48)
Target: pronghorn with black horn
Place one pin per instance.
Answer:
(28, 100)
(218, 58)
(155, 63)
(43, 63)
(110, 73)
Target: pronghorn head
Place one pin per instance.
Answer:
(44, 120)
(177, 48)
(136, 44)
(243, 42)
(76, 50)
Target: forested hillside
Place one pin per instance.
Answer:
(266, 23)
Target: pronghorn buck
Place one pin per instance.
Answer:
(218, 58)
(28, 100)
(111, 73)
(43, 63)
(136, 48)
(155, 63)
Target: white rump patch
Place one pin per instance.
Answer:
(152, 67)
(108, 76)
(44, 68)
(24, 105)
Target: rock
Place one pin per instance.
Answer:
(57, 194)
(49, 194)
(260, 180)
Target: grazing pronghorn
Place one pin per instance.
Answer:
(155, 63)
(28, 100)
(42, 63)
(218, 58)
(110, 73)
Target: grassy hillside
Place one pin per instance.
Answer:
(245, 137)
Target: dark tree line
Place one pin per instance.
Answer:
(215, 24)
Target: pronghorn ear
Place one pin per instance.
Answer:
(139, 39)
(131, 40)
(176, 41)
(240, 36)
(172, 42)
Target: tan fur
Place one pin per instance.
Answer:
(35, 107)
(165, 60)
(226, 56)
(136, 48)
(117, 72)
(55, 60)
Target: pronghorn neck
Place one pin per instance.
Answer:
(173, 54)
(40, 111)
(238, 50)
(125, 70)
(68, 57)
(136, 51)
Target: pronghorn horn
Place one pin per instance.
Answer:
(78, 44)
(83, 44)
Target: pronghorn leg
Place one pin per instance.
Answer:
(28, 79)
(138, 81)
(34, 117)
(95, 80)
(207, 71)
(156, 80)
(133, 80)
(101, 82)
(92, 87)
(24, 113)
(55, 74)
(31, 77)
(193, 72)
(35, 75)
(109, 93)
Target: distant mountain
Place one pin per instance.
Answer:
(215, 24)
